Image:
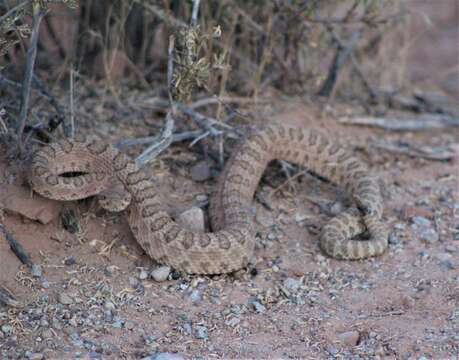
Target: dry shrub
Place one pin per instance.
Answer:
(289, 45)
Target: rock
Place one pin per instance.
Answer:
(421, 221)
(233, 321)
(118, 323)
(201, 171)
(201, 332)
(70, 260)
(47, 334)
(6, 329)
(133, 282)
(409, 212)
(428, 235)
(64, 299)
(36, 271)
(18, 200)
(446, 264)
(195, 296)
(36, 356)
(143, 274)
(393, 238)
(130, 325)
(350, 338)
(259, 307)
(193, 219)
(292, 284)
(164, 356)
(451, 248)
(160, 273)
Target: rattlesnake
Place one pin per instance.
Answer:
(99, 168)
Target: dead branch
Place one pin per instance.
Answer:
(422, 122)
(429, 153)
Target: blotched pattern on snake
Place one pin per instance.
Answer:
(121, 184)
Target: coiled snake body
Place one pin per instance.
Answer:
(231, 245)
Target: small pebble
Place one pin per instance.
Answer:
(133, 282)
(393, 238)
(259, 307)
(36, 271)
(429, 235)
(201, 171)
(350, 338)
(143, 274)
(195, 296)
(164, 356)
(36, 356)
(233, 321)
(292, 284)
(64, 299)
(6, 329)
(421, 221)
(160, 273)
(201, 332)
(70, 260)
(129, 325)
(47, 334)
(202, 198)
(118, 323)
(447, 264)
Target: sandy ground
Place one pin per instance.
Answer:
(93, 301)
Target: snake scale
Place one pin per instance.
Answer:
(98, 169)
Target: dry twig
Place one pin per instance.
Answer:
(38, 15)
(422, 122)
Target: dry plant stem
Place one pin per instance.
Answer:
(163, 142)
(38, 15)
(69, 129)
(17, 248)
(13, 10)
(178, 137)
(194, 14)
(7, 298)
(422, 122)
(373, 94)
(165, 138)
(341, 56)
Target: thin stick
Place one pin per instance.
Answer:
(8, 298)
(165, 138)
(422, 122)
(341, 56)
(38, 15)
(17, 248)
(70, 131)
(194, 14)
(186, 135)
(163, 142)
